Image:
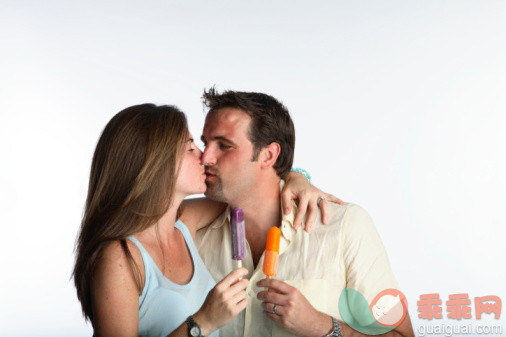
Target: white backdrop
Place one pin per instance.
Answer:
(399, 106)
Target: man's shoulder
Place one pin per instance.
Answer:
(339, 214)
(350, 220)
(214, 228)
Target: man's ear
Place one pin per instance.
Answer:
(269, 155)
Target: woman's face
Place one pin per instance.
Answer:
(191, 178)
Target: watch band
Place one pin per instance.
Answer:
(336, 332)
(194, 330)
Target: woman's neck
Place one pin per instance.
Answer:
(164, 228)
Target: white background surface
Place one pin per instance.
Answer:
(399, 106)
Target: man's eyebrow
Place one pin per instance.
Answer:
(224, 139)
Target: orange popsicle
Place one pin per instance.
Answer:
(271, 252)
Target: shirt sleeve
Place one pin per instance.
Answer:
(365, 259)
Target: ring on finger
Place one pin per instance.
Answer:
(320, 199)
(274, 309)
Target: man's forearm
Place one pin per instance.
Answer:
(323, 326)
(403, 330)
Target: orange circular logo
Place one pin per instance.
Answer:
(389, 307)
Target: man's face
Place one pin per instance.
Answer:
(230, 173)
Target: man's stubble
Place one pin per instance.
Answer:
(214, 191)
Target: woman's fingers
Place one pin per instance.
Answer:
(286, 201)
(311, 216)
(301, 211)
(331, 198)
(232, 277)
(238, 286)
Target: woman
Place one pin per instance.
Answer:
(137, 269)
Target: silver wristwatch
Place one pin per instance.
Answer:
(337, 329)
(194, 330)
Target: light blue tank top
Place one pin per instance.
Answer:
(163, 304)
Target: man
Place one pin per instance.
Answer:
(250, 140)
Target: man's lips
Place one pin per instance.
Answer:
(209, 175)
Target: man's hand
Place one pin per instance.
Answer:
(293, 310)
(308, 197)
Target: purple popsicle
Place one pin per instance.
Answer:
(238, 234)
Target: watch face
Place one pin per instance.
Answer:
(195, 331)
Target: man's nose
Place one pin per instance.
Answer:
(208, 158)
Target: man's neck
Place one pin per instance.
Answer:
(261, 212)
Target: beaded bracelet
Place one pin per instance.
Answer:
(303, 172)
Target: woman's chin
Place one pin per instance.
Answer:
(197, 190)
(202, 190)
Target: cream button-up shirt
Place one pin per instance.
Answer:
(346, 253)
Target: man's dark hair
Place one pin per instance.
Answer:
(270, 122)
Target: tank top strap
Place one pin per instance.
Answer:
(144, 252)
(149, 264)
(191, 244)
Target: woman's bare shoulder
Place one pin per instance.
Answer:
(114, 265)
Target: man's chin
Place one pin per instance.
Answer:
(214, 193)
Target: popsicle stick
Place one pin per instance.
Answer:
(239, 265)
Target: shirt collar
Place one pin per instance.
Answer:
(222, 219)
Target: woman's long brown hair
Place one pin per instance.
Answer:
(131, 186)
